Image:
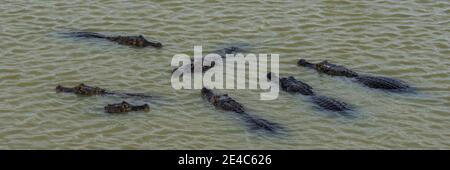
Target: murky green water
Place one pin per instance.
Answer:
(408, 40)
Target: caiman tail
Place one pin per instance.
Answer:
(86, 35)
(385, 83)
(260, 124)
(136, 95)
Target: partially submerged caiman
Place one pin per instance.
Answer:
(292, 85)
(135, 41)
(86, 90)
(125, 107)
(229, 50)
(226, 103)
(376, 82)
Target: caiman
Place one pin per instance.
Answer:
(231, 50)
(226, 103)
(86, 90)
(135, 41)
(294, 86)
(125, 107)
(376, 82)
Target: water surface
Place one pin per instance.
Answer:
(408, 40)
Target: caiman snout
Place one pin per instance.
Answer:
(60, 88)
(152, 43)
(157, 45)
(302, 62)
(207, 93)
(205, 90)
(269, 76)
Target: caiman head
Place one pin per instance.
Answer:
(144, 108)
(207, 93)
(271, 76)
(118, 108)
(88, 90)
(62, 89)
(146, 43)
(81, 89)
(304, 63)
(233, 49)
(334, 70)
